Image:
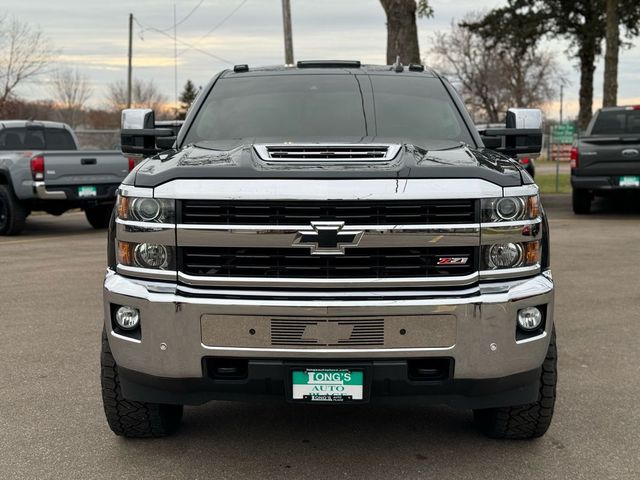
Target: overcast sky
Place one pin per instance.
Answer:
(92, 36)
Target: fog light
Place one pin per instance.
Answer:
(127, 318)
(529, 318)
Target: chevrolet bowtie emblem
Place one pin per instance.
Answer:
(327, 238)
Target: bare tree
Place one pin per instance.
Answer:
(71, 90)
(25, 54)
(144, 94)
(493, 80)
(402, 32)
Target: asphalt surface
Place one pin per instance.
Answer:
(52, 424)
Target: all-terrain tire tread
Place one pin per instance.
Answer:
(131, 418)
(525, 421)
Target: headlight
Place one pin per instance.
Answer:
(504, 255)
(146, 255)
(510, 255)
(510, 209)
(143, 209)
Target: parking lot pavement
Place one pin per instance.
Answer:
(52, 424)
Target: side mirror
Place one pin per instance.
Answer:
(139, 135)
(524, 118)
(522, 135)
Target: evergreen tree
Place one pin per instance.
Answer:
(188, 95)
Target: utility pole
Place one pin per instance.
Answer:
(175, 59)
(130, 55)
(561, 93)
(558, 157)
(288, 41)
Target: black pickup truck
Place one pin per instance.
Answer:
(329, 233)
(606, 159)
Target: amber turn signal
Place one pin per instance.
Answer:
(123, 207)
(125, 253)
(533, 206)
(532, 253)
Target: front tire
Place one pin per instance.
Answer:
(525, 421)
(581, 201)
(99, 216)
(129, 418)
(13, 214)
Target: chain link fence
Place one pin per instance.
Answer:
(98, 139)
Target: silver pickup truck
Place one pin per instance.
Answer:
(41, 168)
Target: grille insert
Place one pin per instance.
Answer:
(406, 212)
(298, 263)
(327, 153)
(327, 332)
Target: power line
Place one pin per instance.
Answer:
(182, 20)
(181, 42)
(218, 25)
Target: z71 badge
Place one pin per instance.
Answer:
(452, 260)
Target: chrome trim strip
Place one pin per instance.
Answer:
(147, 272)
(332, 189)
(315, 351)
(146, 225)
(320, 294)
(532, 339)
(327, 282)
(149, 233)
(509, 272)
(528, 231)
(515, 223)
(131, 191)
(524, 190)
(123, 337)
(262, 149)
(44, 194)
(284, 236)
(506, 291)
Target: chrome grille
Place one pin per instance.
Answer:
(327, 332)
(409, 212)
(298, 263)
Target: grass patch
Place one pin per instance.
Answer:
(547, 183)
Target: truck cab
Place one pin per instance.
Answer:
(329, 233)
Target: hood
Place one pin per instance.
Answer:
(239, 159)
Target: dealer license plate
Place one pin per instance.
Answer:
(328, 384)
(87, 191)
(630, 181)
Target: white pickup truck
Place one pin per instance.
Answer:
(41, 168)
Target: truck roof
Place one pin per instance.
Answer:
(328, 67)
(621, 107)
(35, 123)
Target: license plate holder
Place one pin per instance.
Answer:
(87, 191)
(324, 384)
(629, 181)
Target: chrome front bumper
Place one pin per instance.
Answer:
(477, 330)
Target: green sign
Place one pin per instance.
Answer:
(563, 133)
(327, 384)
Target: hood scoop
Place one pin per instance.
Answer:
(319, 153)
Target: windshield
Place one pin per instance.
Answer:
(329, 106)
(616, 122)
